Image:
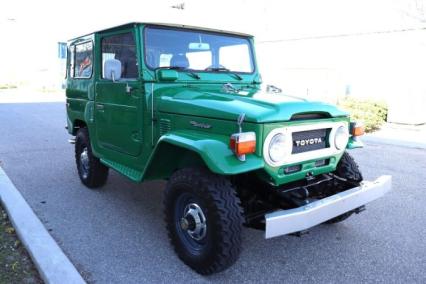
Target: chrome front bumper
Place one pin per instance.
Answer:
(285, 222)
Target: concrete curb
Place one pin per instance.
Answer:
(387, 141)
(51, 262)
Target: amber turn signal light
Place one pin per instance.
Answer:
(243, 143)
(357, 129)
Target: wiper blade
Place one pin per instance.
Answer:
(237, 76)
(223, 69)
(195, 75)
(217, 69)
(180, 68)
(171, 67)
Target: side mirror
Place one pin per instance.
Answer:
(167, 75)
(112, 69)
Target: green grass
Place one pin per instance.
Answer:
(15, 264)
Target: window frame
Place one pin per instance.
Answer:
(247, 38)
(70, 61)
(117, 33)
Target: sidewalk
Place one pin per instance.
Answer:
(51, 262)
(399, 134)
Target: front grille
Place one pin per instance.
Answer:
(310, 140)
(305, 116)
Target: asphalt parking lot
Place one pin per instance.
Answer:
(117, 234)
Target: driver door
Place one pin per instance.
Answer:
(117, 101)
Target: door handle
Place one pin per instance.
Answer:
(130, 89)
(100, 106)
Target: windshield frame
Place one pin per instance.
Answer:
(247, 38)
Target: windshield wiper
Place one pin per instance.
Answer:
(217, 69)
(195, 75)
(171, 67)
(180, 68)
(223, 69)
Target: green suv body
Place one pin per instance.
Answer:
(185, 104)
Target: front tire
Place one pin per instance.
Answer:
(348, 169)
(91, 171)
(203, 218)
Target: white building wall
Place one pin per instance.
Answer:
(319, 49)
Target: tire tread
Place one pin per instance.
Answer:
(227, 217)
(98, 174)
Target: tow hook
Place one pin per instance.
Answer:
(300, 233)
(359, 209)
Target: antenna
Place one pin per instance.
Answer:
(180, 6)
(240, 121)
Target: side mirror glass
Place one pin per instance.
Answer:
(167, 75)
(112, 69)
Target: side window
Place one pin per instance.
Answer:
(82, 61)
(121, 47)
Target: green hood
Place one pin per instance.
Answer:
(258, 106)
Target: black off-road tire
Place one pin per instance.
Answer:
(348, 169)
(94, 174)
(218, 202)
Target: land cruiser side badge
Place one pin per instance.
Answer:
(200, 124)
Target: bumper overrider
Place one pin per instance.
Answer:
(285, 222)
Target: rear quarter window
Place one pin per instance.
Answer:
(82, 60)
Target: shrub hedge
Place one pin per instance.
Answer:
(372, 112)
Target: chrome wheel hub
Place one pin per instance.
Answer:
(194, 222)
(84, 161)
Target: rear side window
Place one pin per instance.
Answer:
(121, 47)
(82, 60)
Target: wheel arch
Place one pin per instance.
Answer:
(178, 150)
(76, 125)
(162, 167)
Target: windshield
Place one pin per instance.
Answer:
(197, 50)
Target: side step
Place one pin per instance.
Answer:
(131, 173)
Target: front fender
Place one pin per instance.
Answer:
(173, 149)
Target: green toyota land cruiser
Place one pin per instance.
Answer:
(184, 104)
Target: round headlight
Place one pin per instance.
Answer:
(341, 137)
(277, 148)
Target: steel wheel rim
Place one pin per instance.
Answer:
(193, 238)
(194, 221)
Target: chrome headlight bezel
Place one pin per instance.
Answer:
(273, 137)
(276, 149)
(341, 137)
